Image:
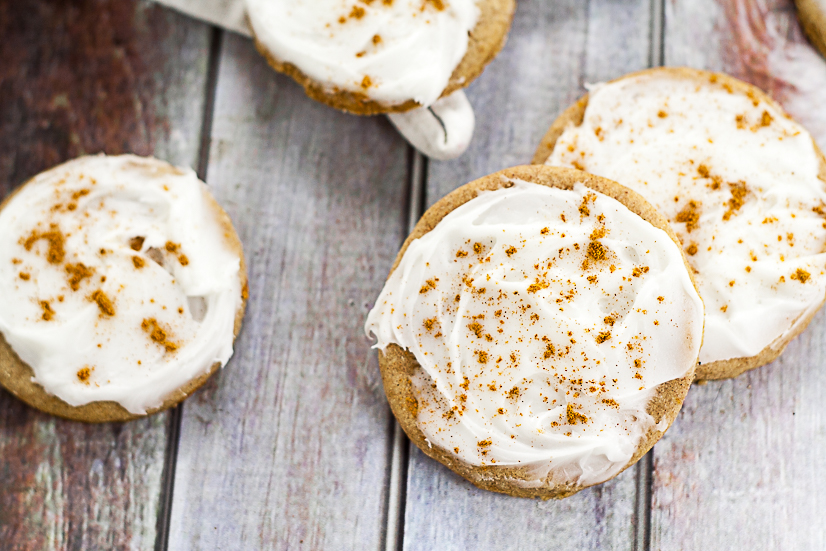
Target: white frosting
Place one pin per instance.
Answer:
(392, 51)
(676, 140)
(83, 347)
(442, 131)
(525, 368)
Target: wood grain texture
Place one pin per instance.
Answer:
(288, 446)
(744, 460)
(553, 49)
(82, 77)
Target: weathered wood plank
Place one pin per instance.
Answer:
(742, 467)
(82, 77)
(288, 446)
(553, 49)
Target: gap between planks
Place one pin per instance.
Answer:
(176, 414)
(399, 452)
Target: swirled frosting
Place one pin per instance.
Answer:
(737, 179)
(543, 320)
(118, 280)
(391, 51)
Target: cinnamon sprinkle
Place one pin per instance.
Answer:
(429, 284)
(574, 417)
(136, 243)
(603, 336)
(801, 275)
(104, 303)
(56, 241)
(77, 273)
(475, 328)
(596, 250)
(639, 270)
(48, 313)
(690, 215)
(539, 285)
(157, 334)
(83, 375)
(738, 196)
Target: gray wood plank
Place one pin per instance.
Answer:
(83, 77)
(288, 446)
(553, 49)
(742, 467)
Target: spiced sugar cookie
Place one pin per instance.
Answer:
(123, 286)
(539, 331)
(380, 56)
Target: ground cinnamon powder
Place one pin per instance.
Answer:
(107, 308)
(157, 334)
(574, 416)
(83, 375)
(738, 198)
(690, 215)
(596, 250)
(77, 273)
(801, 275)
(48, 313)
(56, 241)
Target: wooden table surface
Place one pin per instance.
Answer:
(292, 445)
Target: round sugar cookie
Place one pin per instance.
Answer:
(812, 15)
(382, 56)
(538, 331)
(743, 185)
(123, 285)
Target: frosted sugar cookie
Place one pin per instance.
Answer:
(123, 286)
(380, 56)
(539, 331)
(743, 185)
